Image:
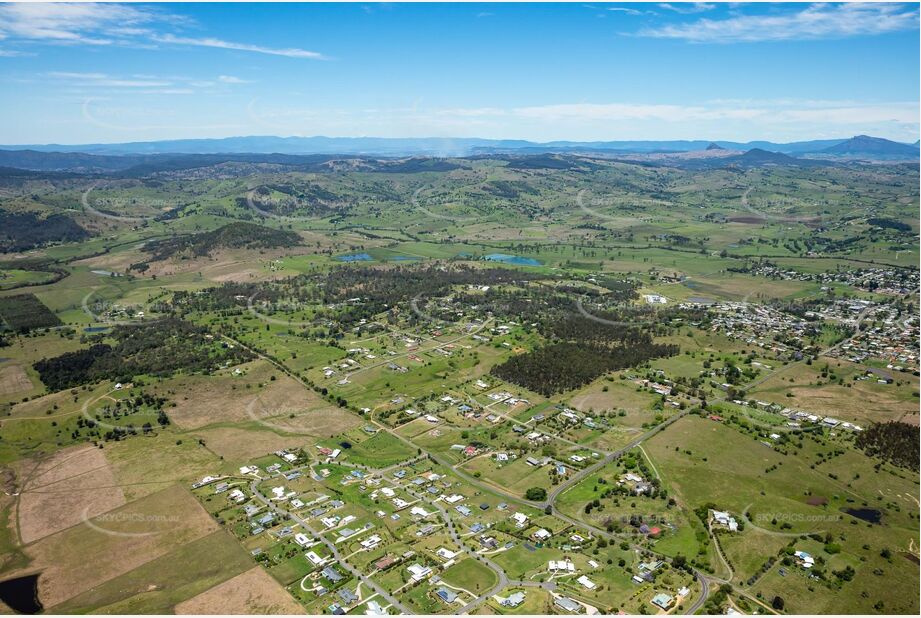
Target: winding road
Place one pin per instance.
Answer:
(504, 581)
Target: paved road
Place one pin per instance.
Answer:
(370, 583)
(586, 472)
(503, 580)
(550, 501)
(704, 594)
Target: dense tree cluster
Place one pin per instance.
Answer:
(895, 442)
(21, 231)
(230, 295)
(564, 366)
(157, 348)
(891, 224)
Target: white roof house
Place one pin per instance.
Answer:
(301, 539)
(419, 511)
(585, 581)
(315, 558)
(561, 565)
(725, 519)
(371, 542)
(805, 560)
(419, 572)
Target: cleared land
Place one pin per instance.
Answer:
(13, 380)
(252, 592)
(127, 537)
(72, 484)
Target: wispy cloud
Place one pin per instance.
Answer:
(815, 21)
(687, 8)
(290, 52)
(113, 25)
(625, 11)
(230, 79)
(93, 82)
(74, 23)
(102, 79)
(12, 53)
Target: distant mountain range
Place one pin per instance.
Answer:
(865, 145)
(390, 155)
(460, 147)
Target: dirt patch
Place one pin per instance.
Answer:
(118, 262)
(238, 276)
(816, 500)
(203, 400)
(845, 403)
(252, 592)
(319, 419)
(243, 444)
(73, 483)
(746, 219)
(281, 405)
(14, 379)
(82, 557)
(227, 265)
(597, 401)
(147, 466)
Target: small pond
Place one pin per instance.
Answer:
(21, 594)
(511, 259)
(874, 516)
(355, 257)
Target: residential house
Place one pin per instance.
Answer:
(567, 605)
(663, 601)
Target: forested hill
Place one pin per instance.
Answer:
(238, 235)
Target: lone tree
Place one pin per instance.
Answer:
(536, 493)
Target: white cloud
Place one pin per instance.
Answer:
(625, 11)
(140, 83)
(687, 8)
(290, 52)
(12, 53)
(230, 79)
(111, 24)
(72, 23)
(812, 22)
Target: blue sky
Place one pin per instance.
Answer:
(77, 73)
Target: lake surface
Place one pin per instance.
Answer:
(95, 329)
(511, 259)
(355, 257)
(21, 594)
